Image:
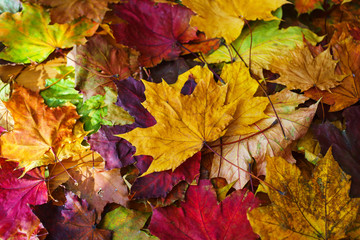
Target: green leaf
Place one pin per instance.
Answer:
(126, 224)
(28, 36)
(267, 40)
(92, 112)
(4, 91)
(61, 91)
(101, 110)
(11, 6)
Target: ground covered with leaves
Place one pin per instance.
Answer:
(192, 119)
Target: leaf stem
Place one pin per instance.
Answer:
(87, 69)
(252, 135)
(203, 61)
(62, 77)
(58, 161)
(257, 80)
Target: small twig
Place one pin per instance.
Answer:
(62, 77)
(203, 61)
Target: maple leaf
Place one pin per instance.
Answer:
(300, 70)
(59, 173)
(95, 111)
(267, 41)
(347, 93)
(39, 131)
(116, 151)
(73, 220)
(242, 150)
(202, 217)
(58, 92)
(112, 61)
(32, 76)
(99, 187)
(241, 89)
(157, 31)
(184, 122)
(227, 18)
(28, 36)
(126, 224)
(315, 207)
(345, 145)
(67, 11)
(17, 220)
(345, 30)
(158, 184)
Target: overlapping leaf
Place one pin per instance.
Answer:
(66, 11)
(41, 135)
(96, 111)
(184, 122)
(33, 76)
(266, 40)
(102, 62)
(317, 207)
(17, 220)
(158, 184)
(126, 224)
(74, 220)
(116, 151)
(60, 91)
(34, 39)
(227, 18)
(99, 187)
(300, 70)
(242, 150)
(347, 93)
(202, 217)
(345, 145)
(157, 31)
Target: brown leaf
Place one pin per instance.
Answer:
(32, 76)
(300, 70)
(348, 92)
(66, 11)
(99, 187)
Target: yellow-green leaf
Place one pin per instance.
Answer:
(28, 36)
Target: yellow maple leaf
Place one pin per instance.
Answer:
(317, 207)
(242, 88)
(184, 122)
(300, 70)
(226, 18)
(39, 131)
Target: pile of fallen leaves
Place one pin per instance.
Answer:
(192, 119)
